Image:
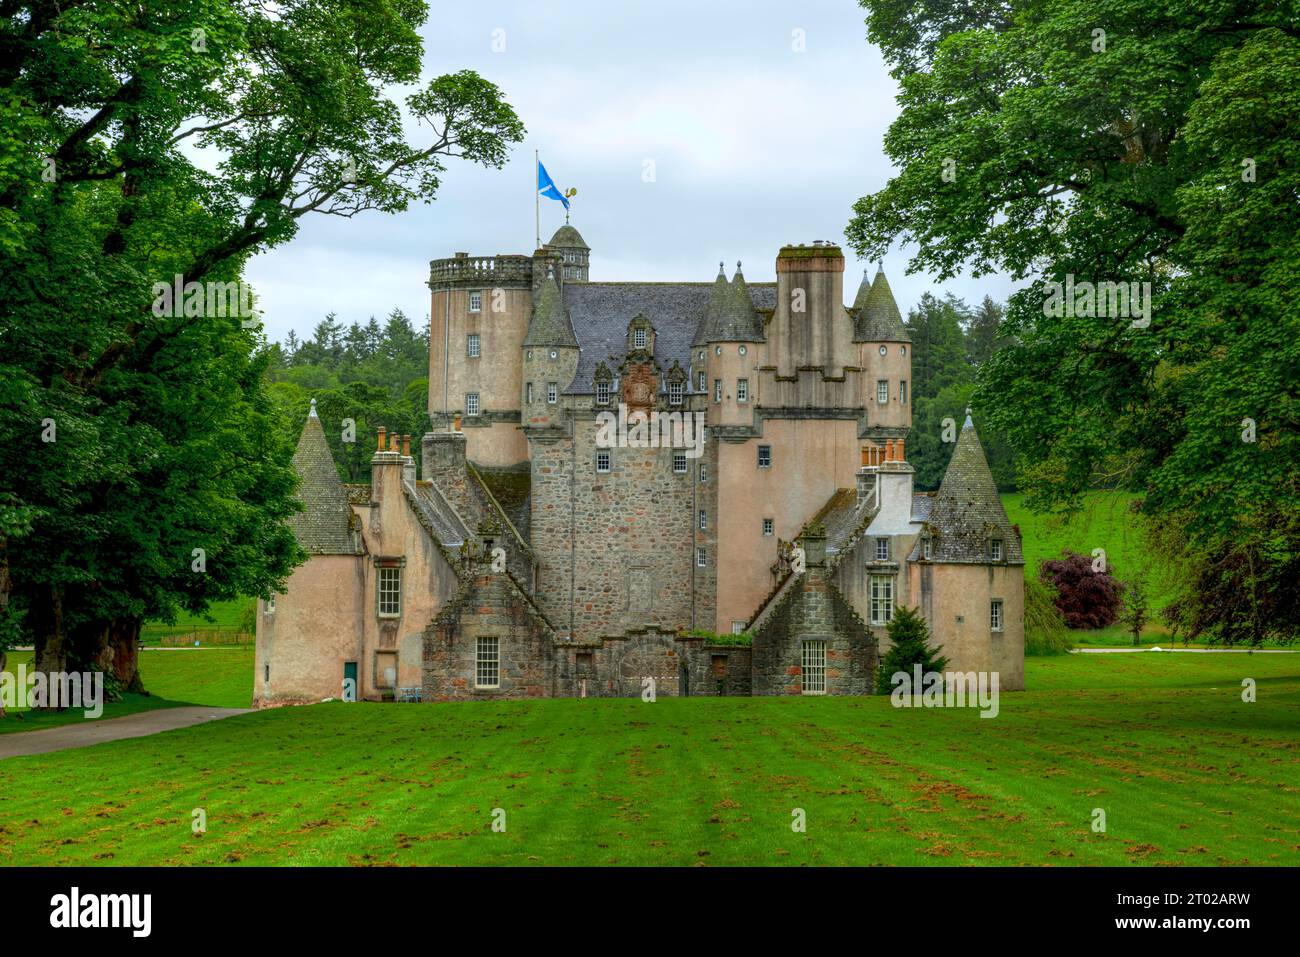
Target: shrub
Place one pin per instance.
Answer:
(911, 646)
(1084, 597)
(1045, 630)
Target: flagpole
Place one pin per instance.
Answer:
(537, 198)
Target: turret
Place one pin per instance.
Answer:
(550, 356)
(573, 253)
(884, 352)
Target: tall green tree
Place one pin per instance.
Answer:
(140, 469)
(1121, 141)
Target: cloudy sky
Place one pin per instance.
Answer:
(754, 144)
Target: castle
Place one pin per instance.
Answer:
(532, 555)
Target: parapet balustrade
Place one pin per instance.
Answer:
(481, 270)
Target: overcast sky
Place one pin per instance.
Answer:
(754, 145)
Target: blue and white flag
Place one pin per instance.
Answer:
(546, 186)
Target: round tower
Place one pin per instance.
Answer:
(573, 253)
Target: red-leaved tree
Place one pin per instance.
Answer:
(1086, 598)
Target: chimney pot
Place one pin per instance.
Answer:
(889, 450)
(898, 450)
(406, 444)
(455, 425)
(382, 432)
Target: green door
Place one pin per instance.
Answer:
(350, 681)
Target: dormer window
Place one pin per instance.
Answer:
(640, 339)
(675, 391)
(995, 550)
(927, 548)
(602, 393)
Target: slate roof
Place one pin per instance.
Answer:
(567, 236)
(600, 313)
(550, 324)
(730, 315)
(966, 511)
(921, 504)
(442, 518)
(323, 527)
(875, 313)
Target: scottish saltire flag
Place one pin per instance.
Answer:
(546, 186)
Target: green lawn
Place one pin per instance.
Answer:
(222, 677)
(1185, 771)
(225, 615)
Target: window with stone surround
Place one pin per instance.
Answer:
(902, 392)
(602, 393)
(882, 549)
(995, 550)
(472, 345)
(882, 599)
(717, 390)
(389, 591)
(704, 383)
(476, 301)
(487, 663)
(995, 614)
(768, 526)
(704, 520)
(528, 392)
(471, 403)
(679, 463)
(701, 557)
(640, 339)
(742, 390)
(814, 666)
(602, 460)
(704, 473)
(552, 393)
(882, 391)
(765, 456)
(675, 392)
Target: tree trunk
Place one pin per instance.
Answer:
(118, 653)
(51, 638)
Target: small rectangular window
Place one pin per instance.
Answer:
(602, 393)
(765, 456)
(882, 549)
(995, 550)
(742, 390)
(640, 339)
(717, 390)
(928, 549)
(528, 392)
(471, 403)
(882, 391)
(390, 592)
(701, 558)
(270, 605)
(902, 392)
(476, 302)
(768, 526)
(602, 460)
(995, 614)
(704, 383)
(737, 627)
(472, 345)
(552, 393)
(882, 599)
(675, 390)
(814, 667)
(679, 463)
(704, 473)
(704, 520)
(487, 663)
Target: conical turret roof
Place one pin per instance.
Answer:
(550, 325)
(323, 527)
(876, 312)
(730, 316)
(967, 511)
